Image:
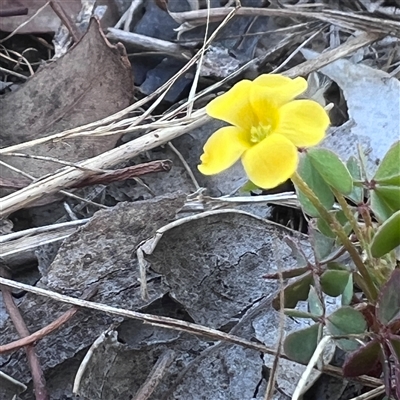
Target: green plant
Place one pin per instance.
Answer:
(349, 215)
(367, 227)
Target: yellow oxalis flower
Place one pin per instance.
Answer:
(268, 126)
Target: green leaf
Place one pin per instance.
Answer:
(290, 273)
(249, 186)
(317, 184)
(332, 169)
(388, 171)
(387, 237)
(348, 292)
(294, 292)
(378, 205)
(346, 320)
(300, 345)
(336, 266)
(314, 303)
(363, 360)
(325, 229)
(354, 167)
(388, 308)
(297, 253)
(322, 245)
(290, 312)
(390, 195)
(334, 282)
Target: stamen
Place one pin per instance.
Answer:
(259, 133)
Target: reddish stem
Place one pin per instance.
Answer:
(39, 382)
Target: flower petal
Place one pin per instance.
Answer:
(234, 106)
(281, 88)
(303, 122)
(270, 162)
(223, 148)
(264, 106)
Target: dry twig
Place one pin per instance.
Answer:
(155, 376)
(66, 20)
(39, 382)
(67, 177)
(41, 333)
(174, 324)
(346, 20)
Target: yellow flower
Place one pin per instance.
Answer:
(268, 126)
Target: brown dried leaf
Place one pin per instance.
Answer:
(93, 80)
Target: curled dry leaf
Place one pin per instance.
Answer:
(92, 81)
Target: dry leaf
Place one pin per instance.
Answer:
(93, 80)
(103, 252)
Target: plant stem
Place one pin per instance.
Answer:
(350, 216)
(361, 236)
(366, 283)
(39, 382)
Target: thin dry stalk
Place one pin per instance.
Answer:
(66, 20)
(122, 174)
(185, 165)
(156, 375)
(346, 20)
(40, 229)
(147, 43)
(297, 50)
(275, 365)
(193, 89)
(97, 126)
(41, 333)
(307, 372)
(372, 394)
(109, 334)
(349, 47)
(27, 244)
(133, 8)
(39, 382)
(128, 15)
(13, 381)
(18, 62)
(25, 23)
(174, 324)
(51, 159)
(65, 193)
(66, 177)
(9, 72)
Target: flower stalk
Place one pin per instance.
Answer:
(350, 216)
(366, 283)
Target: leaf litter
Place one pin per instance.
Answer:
(207, 271)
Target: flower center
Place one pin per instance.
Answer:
(259, 133)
